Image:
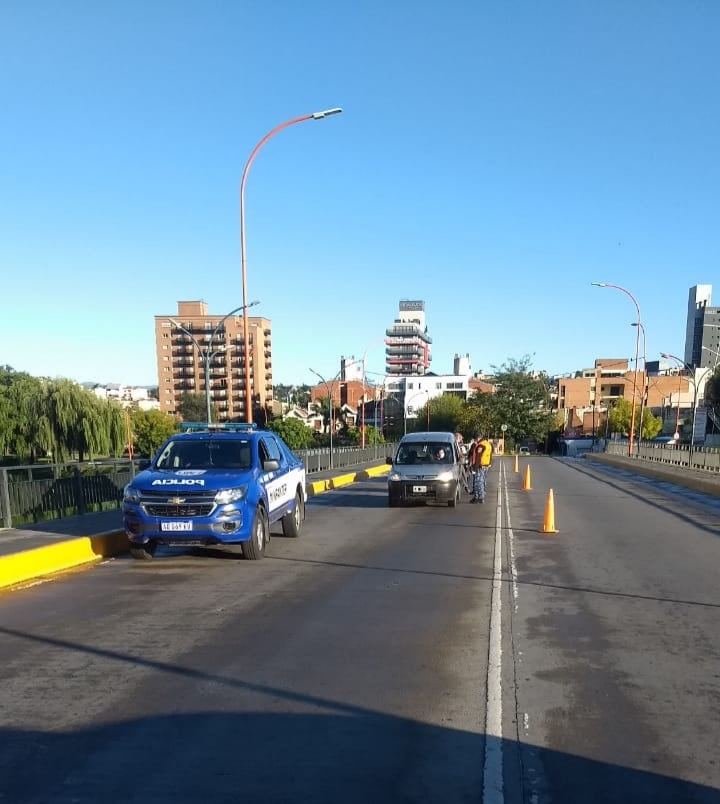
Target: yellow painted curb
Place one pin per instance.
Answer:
(319, 486)
(18, 567)
(28, 564)
(373, 471)
(316, 487)
(341, 480)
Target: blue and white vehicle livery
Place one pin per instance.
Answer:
(216, 485)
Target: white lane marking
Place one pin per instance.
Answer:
(511, 544)
(493, 768)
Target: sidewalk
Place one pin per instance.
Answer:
(694, 479)
(34, 550)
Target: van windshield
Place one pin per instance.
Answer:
(424, 452)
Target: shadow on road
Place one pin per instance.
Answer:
(658, 486)
(287, 746)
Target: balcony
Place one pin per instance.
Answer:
(407, 331)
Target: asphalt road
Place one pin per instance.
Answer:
(400, 655)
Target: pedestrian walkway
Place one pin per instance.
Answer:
(695, 479)
(42, 548)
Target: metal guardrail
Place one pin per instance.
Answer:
(705, 459)
(39, 492)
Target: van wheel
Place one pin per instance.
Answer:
(254, 548)
(452, 503)
(292, 523)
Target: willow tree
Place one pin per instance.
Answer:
(73, 421)
(22, 394)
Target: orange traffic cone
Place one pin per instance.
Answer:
(549, 518)
(526, 480)
(516, 464)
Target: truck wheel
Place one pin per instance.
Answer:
(254, 548)
(292, 523)
(143, 551)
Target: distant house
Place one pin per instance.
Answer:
(311, 416)
(127, 395)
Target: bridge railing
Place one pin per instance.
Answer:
(39, 492)
(706, 459)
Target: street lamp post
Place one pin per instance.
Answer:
(406, 406)
(329, 389)
(645, 381)
(607, 422)
(253, 153)
(631, 434)
(695, 383)
(364, 382)
(207, 354)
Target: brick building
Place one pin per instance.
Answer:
(181, 362)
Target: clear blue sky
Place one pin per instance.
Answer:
(492, 159)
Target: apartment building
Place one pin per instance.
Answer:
(407, 344)
(584, 400)
(702, 333)
(185, 339)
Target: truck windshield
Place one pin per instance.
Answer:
(206, 454)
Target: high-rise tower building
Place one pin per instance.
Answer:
(407, 344)
(181, 365)
(702, 334)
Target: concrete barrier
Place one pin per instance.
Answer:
(688, 478)
(40, 561)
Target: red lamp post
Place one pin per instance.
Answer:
(246, 338)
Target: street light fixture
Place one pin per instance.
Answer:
(207, 354)
(696, 383)
(253, 153)
(631, 434)
(406, 406)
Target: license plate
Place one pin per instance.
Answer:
(419, 489)
(175, 526)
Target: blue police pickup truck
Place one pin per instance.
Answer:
(217, 484)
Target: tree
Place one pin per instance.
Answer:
(193, 407)
(444, 412)
(150, 428)
(651, 425)
(619, 420)
(293, 432)
(21, 394)
(353, 435)
(712, 395)
(521, 401)
(619, 417)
